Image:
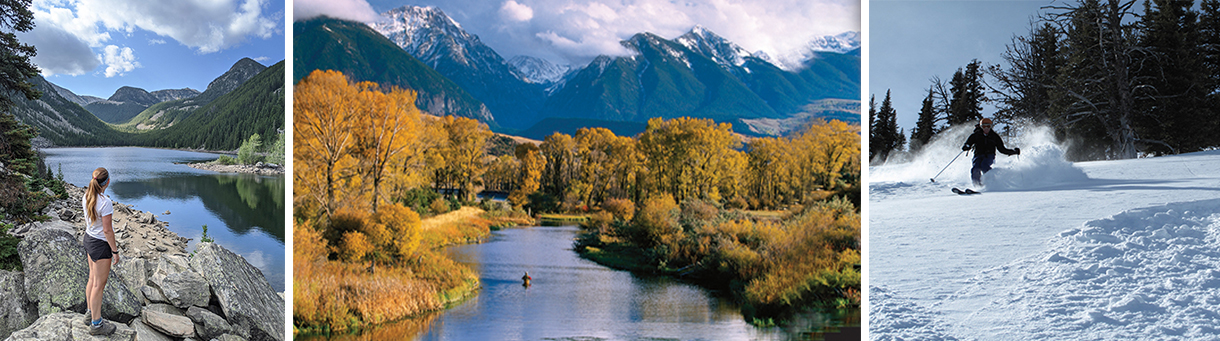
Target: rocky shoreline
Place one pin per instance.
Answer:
(258, 168)
(156, 292)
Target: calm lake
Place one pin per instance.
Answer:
(243, 212)
(571, 298)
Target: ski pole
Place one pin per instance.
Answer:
(942, 170)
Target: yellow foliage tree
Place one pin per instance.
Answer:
(387, 132)
(355, 246)
(530, 167)
(402, 227)
(323, 120)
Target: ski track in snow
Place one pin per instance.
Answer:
(1052, 250)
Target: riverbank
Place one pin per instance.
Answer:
(776, 268)
(258, 168)
(335, 297)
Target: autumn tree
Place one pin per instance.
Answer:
(324, 120)
(530, 166)
(686, 157)
(387, 126)
(460, 154)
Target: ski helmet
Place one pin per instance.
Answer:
(986, 122)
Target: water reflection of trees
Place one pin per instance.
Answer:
(241, 201)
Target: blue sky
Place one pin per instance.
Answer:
(576, 31)
(94, 47)
(910, 41)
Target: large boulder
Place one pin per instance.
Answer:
(173, 325)
(207, 324)
(56, 273)
(185, 289)
(133, 271)
(247, 300)
(146, 333)
(68, 326)
(16, 311)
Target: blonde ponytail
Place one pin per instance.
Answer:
(100, 176)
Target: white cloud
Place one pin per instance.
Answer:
(262, 59)
(156, 41)
(118, 60)
(60, 52)
(578, 30)
(205, 25)
(514, 11)
(357, 10)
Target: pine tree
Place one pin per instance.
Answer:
(874, 141)
(1169, 103)
(887, 135)
(925, 126)
(966, 88)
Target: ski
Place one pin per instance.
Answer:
(965, 192)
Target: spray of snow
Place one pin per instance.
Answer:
(1041, 163)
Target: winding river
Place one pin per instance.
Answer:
(571, 298)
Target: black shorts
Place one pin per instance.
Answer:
(97, 249)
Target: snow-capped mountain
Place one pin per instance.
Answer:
(843, 43)
(430, 35)
(720, 50)
(538, 70)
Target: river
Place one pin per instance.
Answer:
(243, 212)
(571, 298)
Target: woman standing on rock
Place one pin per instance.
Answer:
(101, 248)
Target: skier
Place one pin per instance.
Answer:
(985, 143)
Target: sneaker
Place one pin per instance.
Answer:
(88, 317)
(105, 328)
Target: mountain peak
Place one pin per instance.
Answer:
(705, 42)
(134, 95)
(242, 70)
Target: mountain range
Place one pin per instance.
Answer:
(203, 120)
(698, 74)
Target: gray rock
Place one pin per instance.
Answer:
(68, 326)
(56, 274)
(165, 308)
(253, 309)
(67, 214)
(229, 337)
(146, 333)
(207, 324)
(153, 295)
(134, 272)
(16, 311)
(186, 288)
(172, 325)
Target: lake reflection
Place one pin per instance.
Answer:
(243, 212)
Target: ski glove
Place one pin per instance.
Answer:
(965, 148)
(1018, 150)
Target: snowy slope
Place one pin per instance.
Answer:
(1052, 250)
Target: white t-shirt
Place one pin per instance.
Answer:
(104, 208)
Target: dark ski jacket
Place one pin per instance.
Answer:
(984, 143)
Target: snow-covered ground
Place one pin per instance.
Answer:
(1052, 250)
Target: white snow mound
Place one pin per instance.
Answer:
(1150, 273)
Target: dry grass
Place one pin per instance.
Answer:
(466, 213)
(332, 296)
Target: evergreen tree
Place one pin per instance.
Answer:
(966, 88)
(874, 143)
(925, 126)
(886, 134)
(1095, 100)
(1169, 103)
